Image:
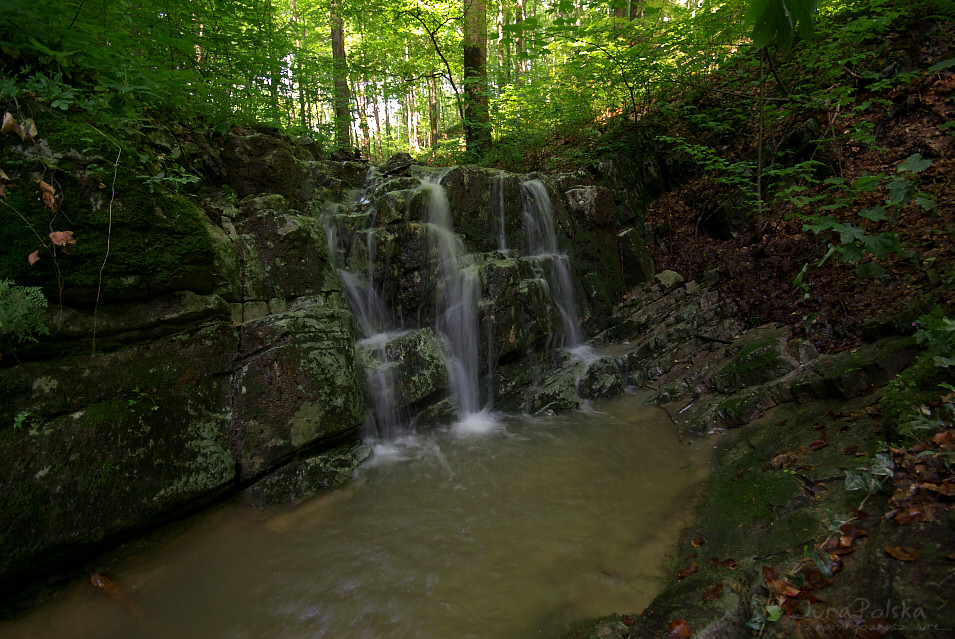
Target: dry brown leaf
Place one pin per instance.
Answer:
(689, 570)
(48, 196)
(33, 257)
(904, 553)
(679, 629)
(62, 238)
(698, 541)
(714, 592)
(9, 123)
(627, 620)
(909, 515)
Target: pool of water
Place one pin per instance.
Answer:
(520, 528)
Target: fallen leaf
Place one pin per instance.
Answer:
(689, 570)
(33, 257)
(944, 438)
(946, 487)
(697, 542)
(909, 515)
(627, 620)
(729, 563)
(848, 450)
(860, 514)
(904, 553)
(9, 123)
(714, 592)
(780, 460)
(769, 573)
(679, 629)
(818, 444)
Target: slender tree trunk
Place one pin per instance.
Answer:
(477, 121)
(433, 107)
(378, 136)
(342, 96)
(636, 8)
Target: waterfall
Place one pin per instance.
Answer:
(496, 197)
(542, 242)
(457, 302)
(376, 328)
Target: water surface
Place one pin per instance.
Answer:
(521, 530)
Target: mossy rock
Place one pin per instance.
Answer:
(133, 239)
(913, 388)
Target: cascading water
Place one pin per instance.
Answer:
(457, 304)
(376, 327)
(542, 242)
(496, 198)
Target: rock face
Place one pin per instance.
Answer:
(216, 351)
(204, 375)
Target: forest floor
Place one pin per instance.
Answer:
(763, 257)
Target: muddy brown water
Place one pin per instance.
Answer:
(522, 530)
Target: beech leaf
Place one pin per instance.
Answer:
(714, 592)
(904, 553)
(679, 629)
(9, 123)
(689, 570)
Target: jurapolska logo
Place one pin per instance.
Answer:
(862, 608)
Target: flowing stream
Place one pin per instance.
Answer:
(521, 531)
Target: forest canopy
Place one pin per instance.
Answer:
(388, 76)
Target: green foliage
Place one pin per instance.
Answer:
(778, 21)
(22, 310)
(937, 334)
(854, 242)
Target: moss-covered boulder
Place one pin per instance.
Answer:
(296, 387)
(111, 442)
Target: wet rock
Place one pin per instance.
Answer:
(419, 362)
(397, 164)
(668, 279)
(296, 387)
(305, 477)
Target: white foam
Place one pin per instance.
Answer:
(480, 423)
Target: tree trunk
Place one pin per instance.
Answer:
(636, 8)
(433, 107)
(342, 96)
(477, 121)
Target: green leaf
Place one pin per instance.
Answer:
(926, 201)
(944, 64)
(882, 244)
(900, 192)
(876, 213)
(822, 224)
(882, 466)
(915, 163)
(866, 183)
(862, 480)
(774, 613)
(822, 561)
(848, 233)
(870, 270)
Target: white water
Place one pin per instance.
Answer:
(542, 240)
(457, 303)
